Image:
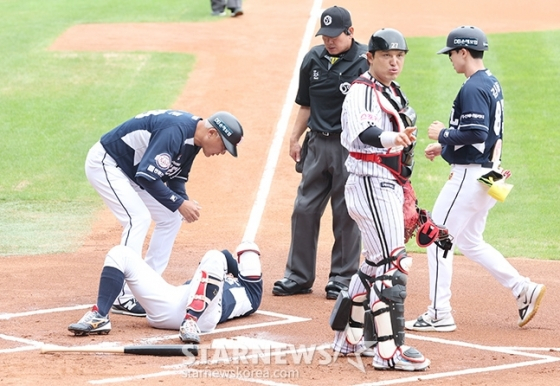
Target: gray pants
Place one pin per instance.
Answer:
(220, 5)
(324, 177)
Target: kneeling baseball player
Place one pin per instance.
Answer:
(222, 288)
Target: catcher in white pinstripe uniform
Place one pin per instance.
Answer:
(378, 131)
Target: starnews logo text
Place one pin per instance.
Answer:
(287, 354)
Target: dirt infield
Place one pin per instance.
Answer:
(239, 70)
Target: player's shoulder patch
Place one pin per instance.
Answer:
(163, 161)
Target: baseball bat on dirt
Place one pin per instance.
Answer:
(155, 350)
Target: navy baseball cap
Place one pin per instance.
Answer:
(229, 128)
(334, 21)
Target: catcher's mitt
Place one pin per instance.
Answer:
(410, 211)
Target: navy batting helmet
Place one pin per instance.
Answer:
(466, 36)
(229, 128)
(387, 39)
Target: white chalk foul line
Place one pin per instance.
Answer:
(281, 127)
(45, 311)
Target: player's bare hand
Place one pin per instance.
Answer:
(406, 137)
(432, 151)
(434, 130)
(190, 210)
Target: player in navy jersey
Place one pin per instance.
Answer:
(472, 145)
(140, 169)
(222, 288)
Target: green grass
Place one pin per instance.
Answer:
(55, 105)
(526, 64)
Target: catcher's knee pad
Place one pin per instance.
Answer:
(388, 313)
(401, 260)
(207, 287)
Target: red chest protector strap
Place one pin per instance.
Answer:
(392, 161)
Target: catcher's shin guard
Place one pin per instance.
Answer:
(207, 288)
(370, 334)
(355, 330)
(388, 312)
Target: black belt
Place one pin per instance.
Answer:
(487, 165)
(328, 133)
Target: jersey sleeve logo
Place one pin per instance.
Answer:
(163, 161)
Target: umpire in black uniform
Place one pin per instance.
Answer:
(325, 76)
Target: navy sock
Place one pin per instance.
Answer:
(110, 286)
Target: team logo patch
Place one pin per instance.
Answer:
(327, 20)
(163, 161)
(315, 75)
(387, 185)
(344, 88)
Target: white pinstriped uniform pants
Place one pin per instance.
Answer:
(376, 204)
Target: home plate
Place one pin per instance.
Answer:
(242, 342)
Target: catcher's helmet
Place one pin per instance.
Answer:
(387, 39)
(229, 128)
(466, 36)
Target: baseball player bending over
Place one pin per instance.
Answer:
(140, 169)
(222, 288)
(378, 131)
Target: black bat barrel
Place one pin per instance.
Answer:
(173, 350)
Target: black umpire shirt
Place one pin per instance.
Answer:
(323, 87)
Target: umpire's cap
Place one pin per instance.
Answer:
(334, 21)
(466, 36)
(387, 39)
(229, 128)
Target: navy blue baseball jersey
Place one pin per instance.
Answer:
(476, 121)
(156, 147)
(241, 297)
